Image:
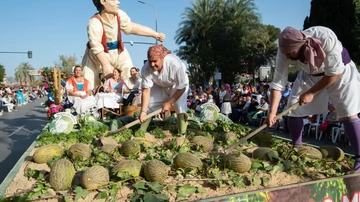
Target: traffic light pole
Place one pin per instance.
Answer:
(28, 52)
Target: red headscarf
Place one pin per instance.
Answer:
(157, 51)
(291, 39)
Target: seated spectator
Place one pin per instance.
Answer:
(131, 86)
(262, 109)
(6, 102)
(286, 93)
(331, 120)
(79, 93)
(250, 110)
(115, 83)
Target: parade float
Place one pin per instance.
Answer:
(92, 160)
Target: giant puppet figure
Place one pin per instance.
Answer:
(105, 49)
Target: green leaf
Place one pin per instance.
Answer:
(80, 193)
(200, 190)
(67, 199)
(265, 180)
(275, 169)
(256, 165)
(101, 195)
(162, 197)
(187, 190)
(156, 187)
(148, 197)
(171, 188)
(139, 185)
(256, 181)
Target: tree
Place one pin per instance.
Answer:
(339, 16)
(22, 73)
(217, 35)
(66, 63)
(2, 73)
(356, 32)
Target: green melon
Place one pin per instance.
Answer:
(263, 138)
(262, 153)
(230, 137)
(187, 160)
(133, 167)
(205, 142)
(46, 153)
(80, 150)
(143, 141)
(95, 177)
(332, 152)
(130, 147)
(237, 162)
(61, 175)
(109, 148)
(309, 152)
(155, 171)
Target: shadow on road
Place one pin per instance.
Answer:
(18, 131)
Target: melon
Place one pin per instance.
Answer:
(155, 171)
(79, 150)
(130, 147)
(109, 148)
(263, 138)
(61, 175)
(332, 152)
(262, 153)
(237, 162)
(46, 153)
(230, 137)
(187, 160)
(95, 177)
(143, 141)
(132, 167)
(107, 140)
(204, 142)
(310, 152)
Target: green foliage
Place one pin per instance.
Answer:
(22, 73)
(2, 73)
(340, 16)
(211, 25)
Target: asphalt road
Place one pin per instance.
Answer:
(18, 130)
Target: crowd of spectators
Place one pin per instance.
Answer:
(13, 97)
(250, 105)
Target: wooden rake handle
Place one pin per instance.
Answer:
(137, 121)
(261, 128)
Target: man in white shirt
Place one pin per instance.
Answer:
(164, 83)
(132, 86)
(327, 72)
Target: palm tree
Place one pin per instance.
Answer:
(22, 73)
(212, 33)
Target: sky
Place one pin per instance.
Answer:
(51, 28)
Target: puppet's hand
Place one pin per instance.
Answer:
(160, 37)
(108, 71)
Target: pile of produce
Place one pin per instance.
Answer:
(162, 166)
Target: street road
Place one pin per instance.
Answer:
(18, 130)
